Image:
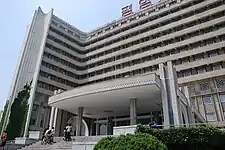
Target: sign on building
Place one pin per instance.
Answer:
(144, 4)
(127, 10)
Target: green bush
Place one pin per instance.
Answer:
(130, 142)
(188, 138)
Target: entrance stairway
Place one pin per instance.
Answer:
(59, 145)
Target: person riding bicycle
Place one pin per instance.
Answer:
(48, 136)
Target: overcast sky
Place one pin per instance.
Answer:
(15, 15)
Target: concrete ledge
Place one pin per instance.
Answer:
(124, 130)
(35, 135)
(24, 141)
(83, 145)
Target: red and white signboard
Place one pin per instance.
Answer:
(144, 4)
(127, 10)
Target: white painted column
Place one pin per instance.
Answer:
(51, 117)
(79, 121)
(97, 129)
(55, 118)
(133, 111)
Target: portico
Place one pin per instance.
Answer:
(122, 97)
(126, 101)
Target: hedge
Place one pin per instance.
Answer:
(130, 142)
(188, 138)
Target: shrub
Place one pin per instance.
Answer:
(188, 138)
(130, 142)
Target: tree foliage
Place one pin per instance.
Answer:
(188, 138)
(4, 114)
(18, 113)
(130, 142)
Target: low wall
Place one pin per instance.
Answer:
(35, 134)
(83, 146)
(124, 130)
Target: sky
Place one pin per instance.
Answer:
(15, 15)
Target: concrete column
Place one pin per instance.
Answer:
(91, 127)
(51, 117)
(133, 111)
(79, 121)
(39, 115)
(217, 106)
(173, 87)
(109, 126)
(164, 97)
(47, 117)
(97, 129)
(55, 118)
(189, 107)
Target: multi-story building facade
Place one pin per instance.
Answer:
(190, 33)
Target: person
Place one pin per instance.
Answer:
(43, 135)
(68, 132)
(65, 134)
(3, 138)
(48, 136)
(152, 125)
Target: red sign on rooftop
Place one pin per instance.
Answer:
(127, 10)
(144, 4)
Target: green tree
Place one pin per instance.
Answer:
(18, 113)
(4, 114)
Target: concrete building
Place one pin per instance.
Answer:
(189, 33)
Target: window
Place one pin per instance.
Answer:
(210, 117)
(201, 70)
(216, 66)
(222, 98)
(207, 99)
(193, 101)
(32, 122)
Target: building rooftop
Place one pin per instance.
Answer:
(149, 10)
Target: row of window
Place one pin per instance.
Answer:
(77, 35)
(130, 73)
(159, 55)
(207, 99)
(153, 57)
(157, 35)
(160, 25)
(200, 56)
(63, 62)
(201, 69)
(48, 86)
(149, 19)
(63, 71)
(62, 52)
(57, 79)
(164, 44)
(150, 11)
(163, 23)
